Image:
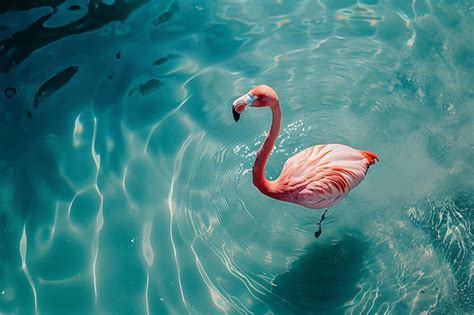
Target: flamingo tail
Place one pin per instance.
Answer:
(371, 157)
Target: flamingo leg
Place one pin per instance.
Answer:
(319, 231)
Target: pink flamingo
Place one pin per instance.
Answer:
(318, 177)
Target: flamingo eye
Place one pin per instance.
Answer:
(251, 99)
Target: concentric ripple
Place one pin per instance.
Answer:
(125, 185)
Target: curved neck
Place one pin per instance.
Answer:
(258, 169)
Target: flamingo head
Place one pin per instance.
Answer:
(260, 96)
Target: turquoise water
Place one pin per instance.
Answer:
(125, 184)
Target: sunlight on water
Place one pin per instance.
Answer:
(126, 186)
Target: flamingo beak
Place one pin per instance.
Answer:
(240, 105)
(235, 114)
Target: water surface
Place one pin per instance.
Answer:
(125, 184)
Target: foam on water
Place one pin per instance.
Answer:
(127, 189)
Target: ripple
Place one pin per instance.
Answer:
(129, 189)
(447, 222)
(23, 249)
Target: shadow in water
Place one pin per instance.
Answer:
(324, 278)
(20, 45)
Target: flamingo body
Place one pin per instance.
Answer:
(321, 176)
(318, 177)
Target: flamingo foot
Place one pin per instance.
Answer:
(319, 231)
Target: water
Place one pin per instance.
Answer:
(125, 184)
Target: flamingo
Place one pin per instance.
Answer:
(318, 177)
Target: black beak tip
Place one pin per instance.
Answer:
(235, 114)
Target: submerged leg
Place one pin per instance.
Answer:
(319, 231)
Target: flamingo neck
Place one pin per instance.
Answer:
(259, 180)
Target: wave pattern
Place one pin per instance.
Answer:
(448, 225)
(125, 185)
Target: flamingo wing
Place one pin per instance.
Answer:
(321, 176)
